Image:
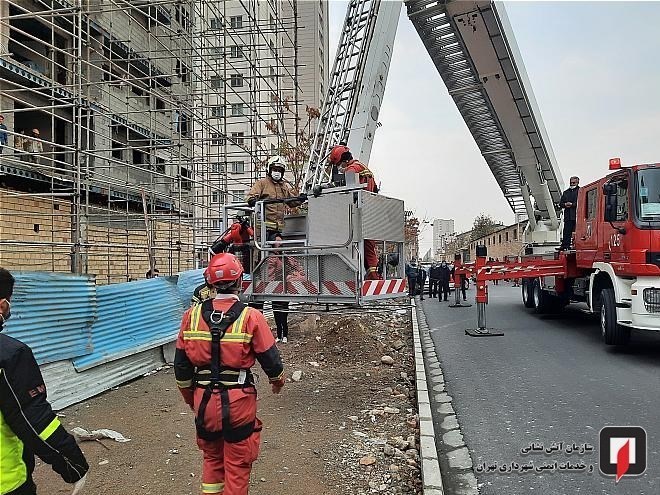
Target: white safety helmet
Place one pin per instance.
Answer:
(277, 161)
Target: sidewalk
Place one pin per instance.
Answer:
(345, 428)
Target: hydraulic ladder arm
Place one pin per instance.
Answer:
(472, 45)
(357, 84)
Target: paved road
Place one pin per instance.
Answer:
(548, 379)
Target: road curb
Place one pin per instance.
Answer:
(431, 475)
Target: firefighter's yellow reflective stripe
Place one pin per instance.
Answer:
(191, 335)
(244, 338)
(229, 337)
(194, 317)
(13, 471)
(224, 372)
(213, 487)
(50, 429)
(184, 383)
(237, 326)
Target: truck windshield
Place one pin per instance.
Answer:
(648, 204)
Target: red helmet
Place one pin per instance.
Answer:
(224, 270)
(337, 152)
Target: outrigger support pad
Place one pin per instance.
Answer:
(482, 330)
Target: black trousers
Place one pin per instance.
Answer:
(434, 285)
(280, 312)
(27, 488)
(463, 281)
(569, 228)
(412, 286)
(420, 284)
(444, 290)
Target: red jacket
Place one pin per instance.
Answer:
(366, 176)
(238, 234)
(248, 339)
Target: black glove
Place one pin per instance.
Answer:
(303, 197)
(252, 201)
(219, 246)
(73, 470)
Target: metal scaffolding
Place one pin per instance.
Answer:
(116, 147)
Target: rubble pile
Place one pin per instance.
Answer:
(363, 366)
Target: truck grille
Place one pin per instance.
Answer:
(652, 300)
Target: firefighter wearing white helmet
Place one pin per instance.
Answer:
(274, 186)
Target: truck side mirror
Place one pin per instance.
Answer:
(609, 191)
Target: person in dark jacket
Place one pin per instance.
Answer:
(411, 274)
(568, 202)
(434, 279)
(421, 280)
(444, 277)
(28, 425)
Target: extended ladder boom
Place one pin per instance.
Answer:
(473, 48)
(357, 85)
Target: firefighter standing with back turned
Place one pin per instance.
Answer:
(341, 157)
(218, 343)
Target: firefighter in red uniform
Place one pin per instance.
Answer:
(218, 343)
(236, 239)
(341, 157)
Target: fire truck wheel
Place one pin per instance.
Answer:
(612, 332)
(527, 292)
(540, 298)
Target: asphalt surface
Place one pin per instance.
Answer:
(548, 379)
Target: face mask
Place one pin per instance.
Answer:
(573, 187)
(276, 176)
(6, 316)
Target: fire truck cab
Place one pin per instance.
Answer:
(615, 264)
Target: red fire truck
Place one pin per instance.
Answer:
(614, 267)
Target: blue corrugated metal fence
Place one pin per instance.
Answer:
(68, 317)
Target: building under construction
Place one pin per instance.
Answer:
(116, 142)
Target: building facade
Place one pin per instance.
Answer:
(443, 233)
(507, 241)
(99, 169)
(268, 63)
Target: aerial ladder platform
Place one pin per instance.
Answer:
(321, 259)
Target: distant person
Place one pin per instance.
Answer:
(34, 146)
(434, 280)
(279, 266)
(445, 276)
(411, 274)
(28, 425)
(568, 202)
(153, 273)
(3, 134)
(421, 280)
(19, 142)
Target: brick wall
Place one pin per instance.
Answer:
(501, 243)
(32, 220)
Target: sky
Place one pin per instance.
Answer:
(593, 68)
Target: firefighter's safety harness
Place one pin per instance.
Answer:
(221, 379)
